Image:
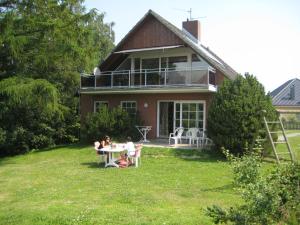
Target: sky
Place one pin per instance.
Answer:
(261, 37)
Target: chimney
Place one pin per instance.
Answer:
(193, 27)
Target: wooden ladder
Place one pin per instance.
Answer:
(273, 143)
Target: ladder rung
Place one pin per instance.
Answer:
(263, 139)
(274, 132)
(280, 142)
(273, 122)
(283, 153)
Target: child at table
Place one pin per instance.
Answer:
(105, 142)
(129, 147)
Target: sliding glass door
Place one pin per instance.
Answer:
(174, 114)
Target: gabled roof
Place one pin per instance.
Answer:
(204, 52)
(281, 96)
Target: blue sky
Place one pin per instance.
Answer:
(259, 36)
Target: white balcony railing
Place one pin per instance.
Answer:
(149, 78)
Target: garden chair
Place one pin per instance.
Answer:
(102, 156)
(136, 158)
(194, 135)
(176, 135)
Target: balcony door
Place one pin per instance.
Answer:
(166, 118)
(174, 114)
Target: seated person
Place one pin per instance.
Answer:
(130, 147)
(100, 146)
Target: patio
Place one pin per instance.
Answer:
(164, 143)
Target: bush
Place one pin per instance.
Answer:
(235, 117)
(270, 199)
(29, 111)
(115, 123)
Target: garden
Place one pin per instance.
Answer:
(67, 185)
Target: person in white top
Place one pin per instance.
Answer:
(130, 147)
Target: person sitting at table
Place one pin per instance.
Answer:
(130, 147)
(124, 161)
(105, 142)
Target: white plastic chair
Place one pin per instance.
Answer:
(137, 156)
(176, 135)
(194, 135)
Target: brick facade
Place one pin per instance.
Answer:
(149, 114)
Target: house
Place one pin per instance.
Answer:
(286, 99)
(162, 72)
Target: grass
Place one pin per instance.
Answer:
(67, 186)
(294, 143)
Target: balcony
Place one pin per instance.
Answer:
(150, 79)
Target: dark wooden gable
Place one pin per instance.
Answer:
(150, 33)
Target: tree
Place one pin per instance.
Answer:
(235, 117)
(28, 108)
(53, 40)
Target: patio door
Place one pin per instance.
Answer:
(189, 114)
(166, 118)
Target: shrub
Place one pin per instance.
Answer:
(115, 123)
(235, 117)
(28, 111)
(270, 199)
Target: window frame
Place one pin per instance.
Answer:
(129, 101)
(100, 102)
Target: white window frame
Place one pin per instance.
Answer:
(131, 101)
(96, 102)
(174, 111)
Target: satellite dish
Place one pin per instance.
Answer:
(97, 71)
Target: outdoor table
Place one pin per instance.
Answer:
(144, 131)
(116, 148)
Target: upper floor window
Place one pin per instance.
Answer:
(129, 107)
(177, 62)
(152, 63)
(98, 105)
(125, 65)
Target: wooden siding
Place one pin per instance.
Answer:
(150, 33)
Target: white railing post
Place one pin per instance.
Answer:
(129, 74)
(165, 76)
(145, 77)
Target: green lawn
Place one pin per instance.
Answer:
(294, 143)
(67, 186)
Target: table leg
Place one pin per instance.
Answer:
(111, 161)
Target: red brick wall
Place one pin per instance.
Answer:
(149, 114)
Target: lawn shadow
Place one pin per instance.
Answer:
(222, 189)
(198, 155)
(94, 165)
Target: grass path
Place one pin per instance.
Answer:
(67, 186)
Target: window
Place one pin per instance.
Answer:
(98, 105)
(189, 115)
(129, 107)
(150, 63)
(125, 65)
(178, 62)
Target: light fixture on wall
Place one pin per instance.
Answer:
(145, 105)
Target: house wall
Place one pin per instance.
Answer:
(151, 33)
(149, 114)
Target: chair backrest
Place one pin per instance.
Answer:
(178, 132)
(193, 132)
(138, 150)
